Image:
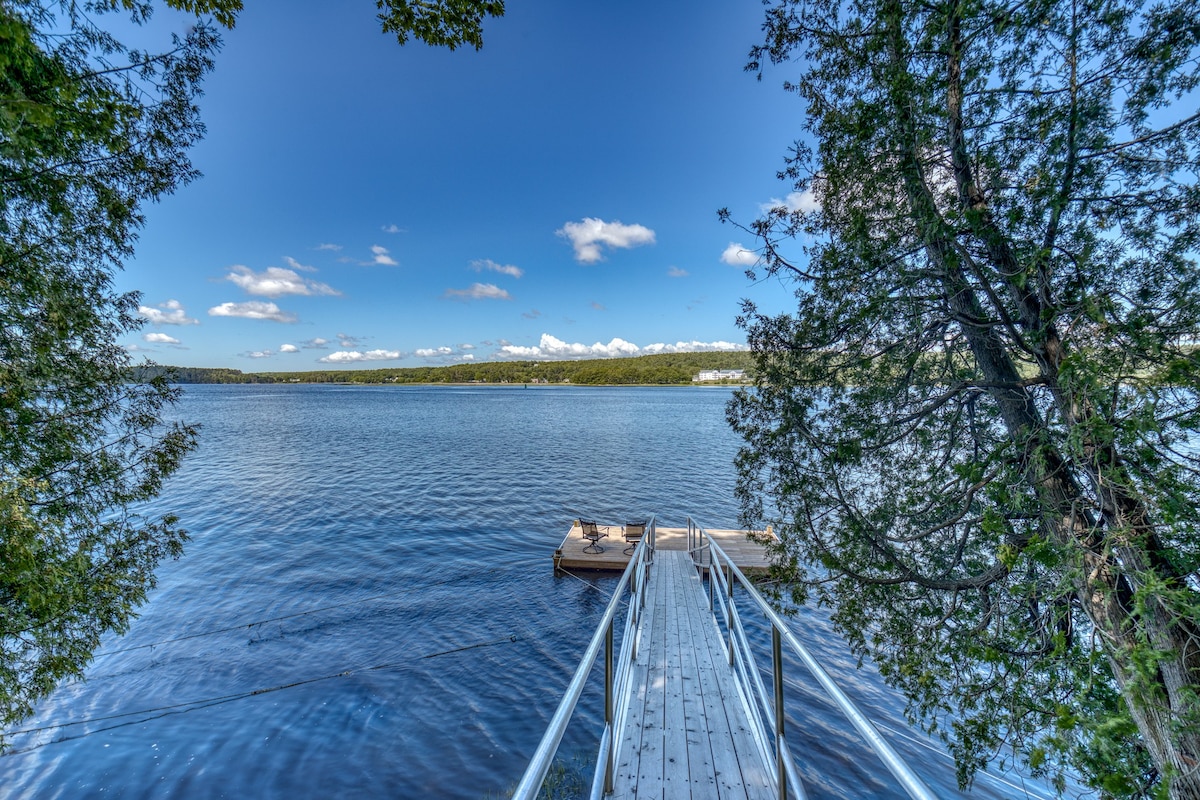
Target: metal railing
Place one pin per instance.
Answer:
(769, 708)
(616, 680)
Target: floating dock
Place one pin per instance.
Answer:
(745, 548)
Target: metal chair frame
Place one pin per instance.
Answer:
(633, 533)
(591, 532)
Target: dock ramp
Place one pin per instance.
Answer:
(686, 711)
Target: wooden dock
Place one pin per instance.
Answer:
(687, 733)
(681, 721)
(749, 555)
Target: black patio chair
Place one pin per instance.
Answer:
(592, 533)
(633, 531)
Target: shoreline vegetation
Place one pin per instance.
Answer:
(664, 369)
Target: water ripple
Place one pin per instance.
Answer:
(409, 531)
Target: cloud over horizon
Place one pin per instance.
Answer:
(294, 264)
(276, 282)
(168, 313)
(382, 257)
(551, 348)
(795, 201)
(253, 309)
(481, 264)
(478, 291)
(159, 338)
(590, 234)
(353, 356)
(738, 256)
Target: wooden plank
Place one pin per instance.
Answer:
(703, 736)
(630, 748)
(640, 757)
(737, 760)
(676, 784)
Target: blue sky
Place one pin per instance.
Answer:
(554, 195)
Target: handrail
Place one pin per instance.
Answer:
(616, 682)
(722, 575)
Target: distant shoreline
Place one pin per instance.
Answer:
(665, 369)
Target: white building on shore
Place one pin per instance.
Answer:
(720, 375)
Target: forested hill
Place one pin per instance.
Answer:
(670, 368)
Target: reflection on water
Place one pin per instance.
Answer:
(367, 607)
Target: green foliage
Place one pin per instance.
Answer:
(444, 23)
(978, 434)
(89, 131)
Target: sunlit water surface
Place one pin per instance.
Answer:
(367, 607)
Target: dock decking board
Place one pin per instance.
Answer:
(687, 734)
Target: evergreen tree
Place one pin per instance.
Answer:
(977, 434)
(89, 131)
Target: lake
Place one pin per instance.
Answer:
(368, 608)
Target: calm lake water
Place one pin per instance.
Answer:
(368, 609)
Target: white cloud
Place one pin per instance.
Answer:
(551, 348)
(288, 348)
(738, 256)
(351, 356)
(479, 291)
(805, 201)
(252, 309)
(676, 272)
(294, 264)
(588, 235)
(446, 355)
(159, 338)
(168, 313)
(276, 282)
(315, 344)
(326, 246)
(257, 354)
(480, 264)
(393, 228)
(382, 258)
(691, 347)
(348, 342)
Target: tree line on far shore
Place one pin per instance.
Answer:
(661, 369)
